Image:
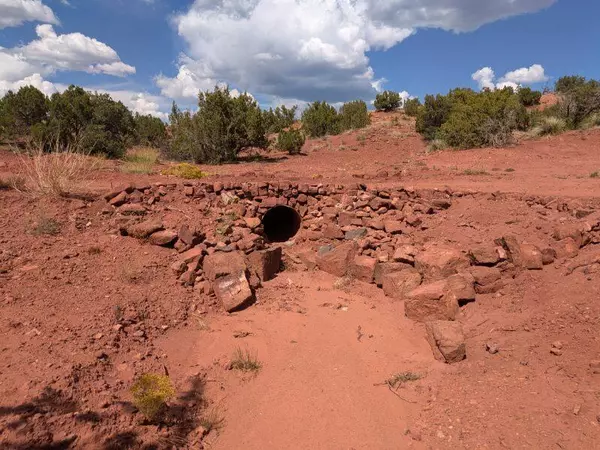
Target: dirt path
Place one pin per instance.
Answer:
(325, 355)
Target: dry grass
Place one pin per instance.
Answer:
(46, 226)
(245, 361)
(55, 174)
(400, 378)
(549, 126)
(140, 160)
(436, 145)
(212, 420)
(12, 182)
(185, 170)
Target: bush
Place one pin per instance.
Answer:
(151, 392)
(291, 141)
(21, 111)
(529, 97)
(279, 119)
(185, 170)
(412, 106)
(387, 101)
(354, 115)
(579, 99)
(549, 125)
(320, 119)
(468, 119)
(222, 127)
(150, 131)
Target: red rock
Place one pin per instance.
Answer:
(405, 254)
(119, 199)
(484, 256)
(333, 232)
(193, 254)
(144, 229)
(393, 226)
(461, 288)
(127, 188)
(338, 260)
(513, 248)
(438, 262)
(485, 275)
(548, 255)
(252, 222)
(188, 191)
(441, 203)
(531, 257)
(569, 230)
(265, 263)
(189, 236)
(162, 238)
(397, 284)
(346, 218)
(383, 268)
(363, 268)
(233, 291)
(567, 248)
(413, 220)
(221, 264)
(132, 210)
(430, 302)
(447, 341)
(308, 258)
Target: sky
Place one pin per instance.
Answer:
(147, 53)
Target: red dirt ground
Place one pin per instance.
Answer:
(85, 311)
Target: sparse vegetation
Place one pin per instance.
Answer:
(595, 174)
(140, 160)
(56, 174)
(387, 101)
(510, 169)
(185, 170)
(436, 145)
(475, 172)
(412, 106)
(151, 392)
(291, 141)
(245, 361)
(46, 226)
(549, 126)
(212, 420)
(398, 379)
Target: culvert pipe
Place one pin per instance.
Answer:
(281, 223)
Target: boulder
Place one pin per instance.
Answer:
(431, 302)
(393, 226)
(397, 284)
(461, 288)
(566, 248)
(363, 268)
(382, 268)
(405, 254)
(447, 341)
(332, 231)
(513, 249)
(308, 258)
(548, 255)
(119, 199)
(265, 263)
(484, 256)
(438, 262)
(531, 257)
(126, 188)
(485, 275)
(163, 238)
(337, 261)
(233, 291)
(221, 264)
(144, 229)
(355, 234)
(189, 236)
(569, 230)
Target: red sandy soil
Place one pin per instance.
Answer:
(85, 312)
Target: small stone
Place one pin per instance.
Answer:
(595, 367)
(491, 348)
(556, 351)
(98, 336)
(576, 409)
(139, 333)
(162, 238)
(557, 344)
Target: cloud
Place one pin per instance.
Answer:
(524, 75)
(485, 77)
(73, 51)
(16, 12)
(310, 49)
(35, 80)
(140, 102)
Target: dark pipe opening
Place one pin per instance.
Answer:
(281, 223)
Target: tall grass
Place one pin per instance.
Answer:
(140, 160)
(549, 126)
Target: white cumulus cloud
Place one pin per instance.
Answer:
(310, 49)
(73, 51)
(35, 80)
(486, 78)
(15, 12)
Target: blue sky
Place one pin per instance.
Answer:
(147, 53)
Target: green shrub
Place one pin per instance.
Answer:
(278, 119)
(320, 119)
(412, 106)
(354, 115)
(151, 393)
(222, 127)
(387, 101)
(579, 99)
(468, 119)
(185, 170)
(150, 131)
(22, 110)
(290, 141)
(529, 97)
